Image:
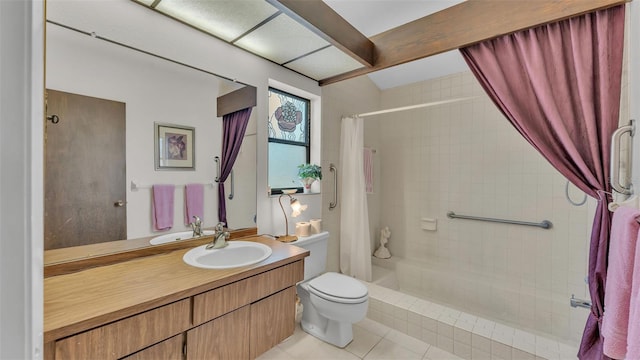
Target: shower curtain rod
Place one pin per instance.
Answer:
(410, 107)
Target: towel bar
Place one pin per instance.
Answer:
(136, 187)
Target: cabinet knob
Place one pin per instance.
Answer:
(119, 203)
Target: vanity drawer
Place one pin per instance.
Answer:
(217, 302)
(275, 280)
(126, 336)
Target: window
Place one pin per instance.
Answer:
(289, 139)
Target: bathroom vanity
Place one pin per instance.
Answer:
(157, 307)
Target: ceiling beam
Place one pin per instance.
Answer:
(464, 24)
(326, 23)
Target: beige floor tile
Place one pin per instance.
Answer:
(330, 352)
(363, 341)
(373, 327)
(299, 344)
(411, 343)
(275, 354)
(387, 349)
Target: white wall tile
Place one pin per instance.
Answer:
(467, 158)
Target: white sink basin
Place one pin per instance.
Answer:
(236, 254)
(167, 238)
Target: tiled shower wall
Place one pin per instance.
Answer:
(465, 157)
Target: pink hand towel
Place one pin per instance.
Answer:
(193, 202)
(622, 250)
(162, 206)
(633, 336)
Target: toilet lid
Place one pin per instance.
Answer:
(338, 287)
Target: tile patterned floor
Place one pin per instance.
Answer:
(371, 341)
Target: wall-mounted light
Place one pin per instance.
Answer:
(296, 209)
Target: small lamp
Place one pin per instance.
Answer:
(296, 208)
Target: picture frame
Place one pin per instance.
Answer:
(174, 147)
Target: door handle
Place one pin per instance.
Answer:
(119, 203)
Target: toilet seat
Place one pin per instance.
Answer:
(338, 288)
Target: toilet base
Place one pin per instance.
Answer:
(336, 333)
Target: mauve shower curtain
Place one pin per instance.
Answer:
(355, 239)
(559, 86)
(234, 126)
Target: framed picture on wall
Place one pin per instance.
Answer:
(174, 147)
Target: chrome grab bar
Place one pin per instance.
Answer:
(615, 158)
(217, 160)
(231, 193)
(334, 203)
(545, 224)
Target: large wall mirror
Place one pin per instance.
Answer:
(88, 78)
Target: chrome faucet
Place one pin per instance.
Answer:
(196, 225)
(219, 238)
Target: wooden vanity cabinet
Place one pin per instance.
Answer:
(272, 320)
(170, 349)
(245, 333)
(239, 320)
(265, 315)
(126, 336)
(226, 337)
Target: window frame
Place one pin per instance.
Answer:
(307, 144)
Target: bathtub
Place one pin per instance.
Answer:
(397, 302)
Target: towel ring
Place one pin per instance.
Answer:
(566, 193)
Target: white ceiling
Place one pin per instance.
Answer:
(372, 17)
(260, 28)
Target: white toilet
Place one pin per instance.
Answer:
(331, 302)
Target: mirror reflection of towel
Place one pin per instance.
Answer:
(162, 206)
(193, 202)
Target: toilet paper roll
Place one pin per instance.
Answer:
(316, 226)
(303, 228)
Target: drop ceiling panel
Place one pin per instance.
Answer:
(222, 18)
(325, 63)
(281, 39)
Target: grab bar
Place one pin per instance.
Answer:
(217, 160)
(231, 194)
(615, 158)
(545, 224)
(334, 203)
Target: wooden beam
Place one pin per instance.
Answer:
(326, 23)
(467, 23)
(236, 100)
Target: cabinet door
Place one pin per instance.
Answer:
(170, 349)
(126, 336)
(272, 320)
(226, 337)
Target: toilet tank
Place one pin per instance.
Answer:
(316, 263)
